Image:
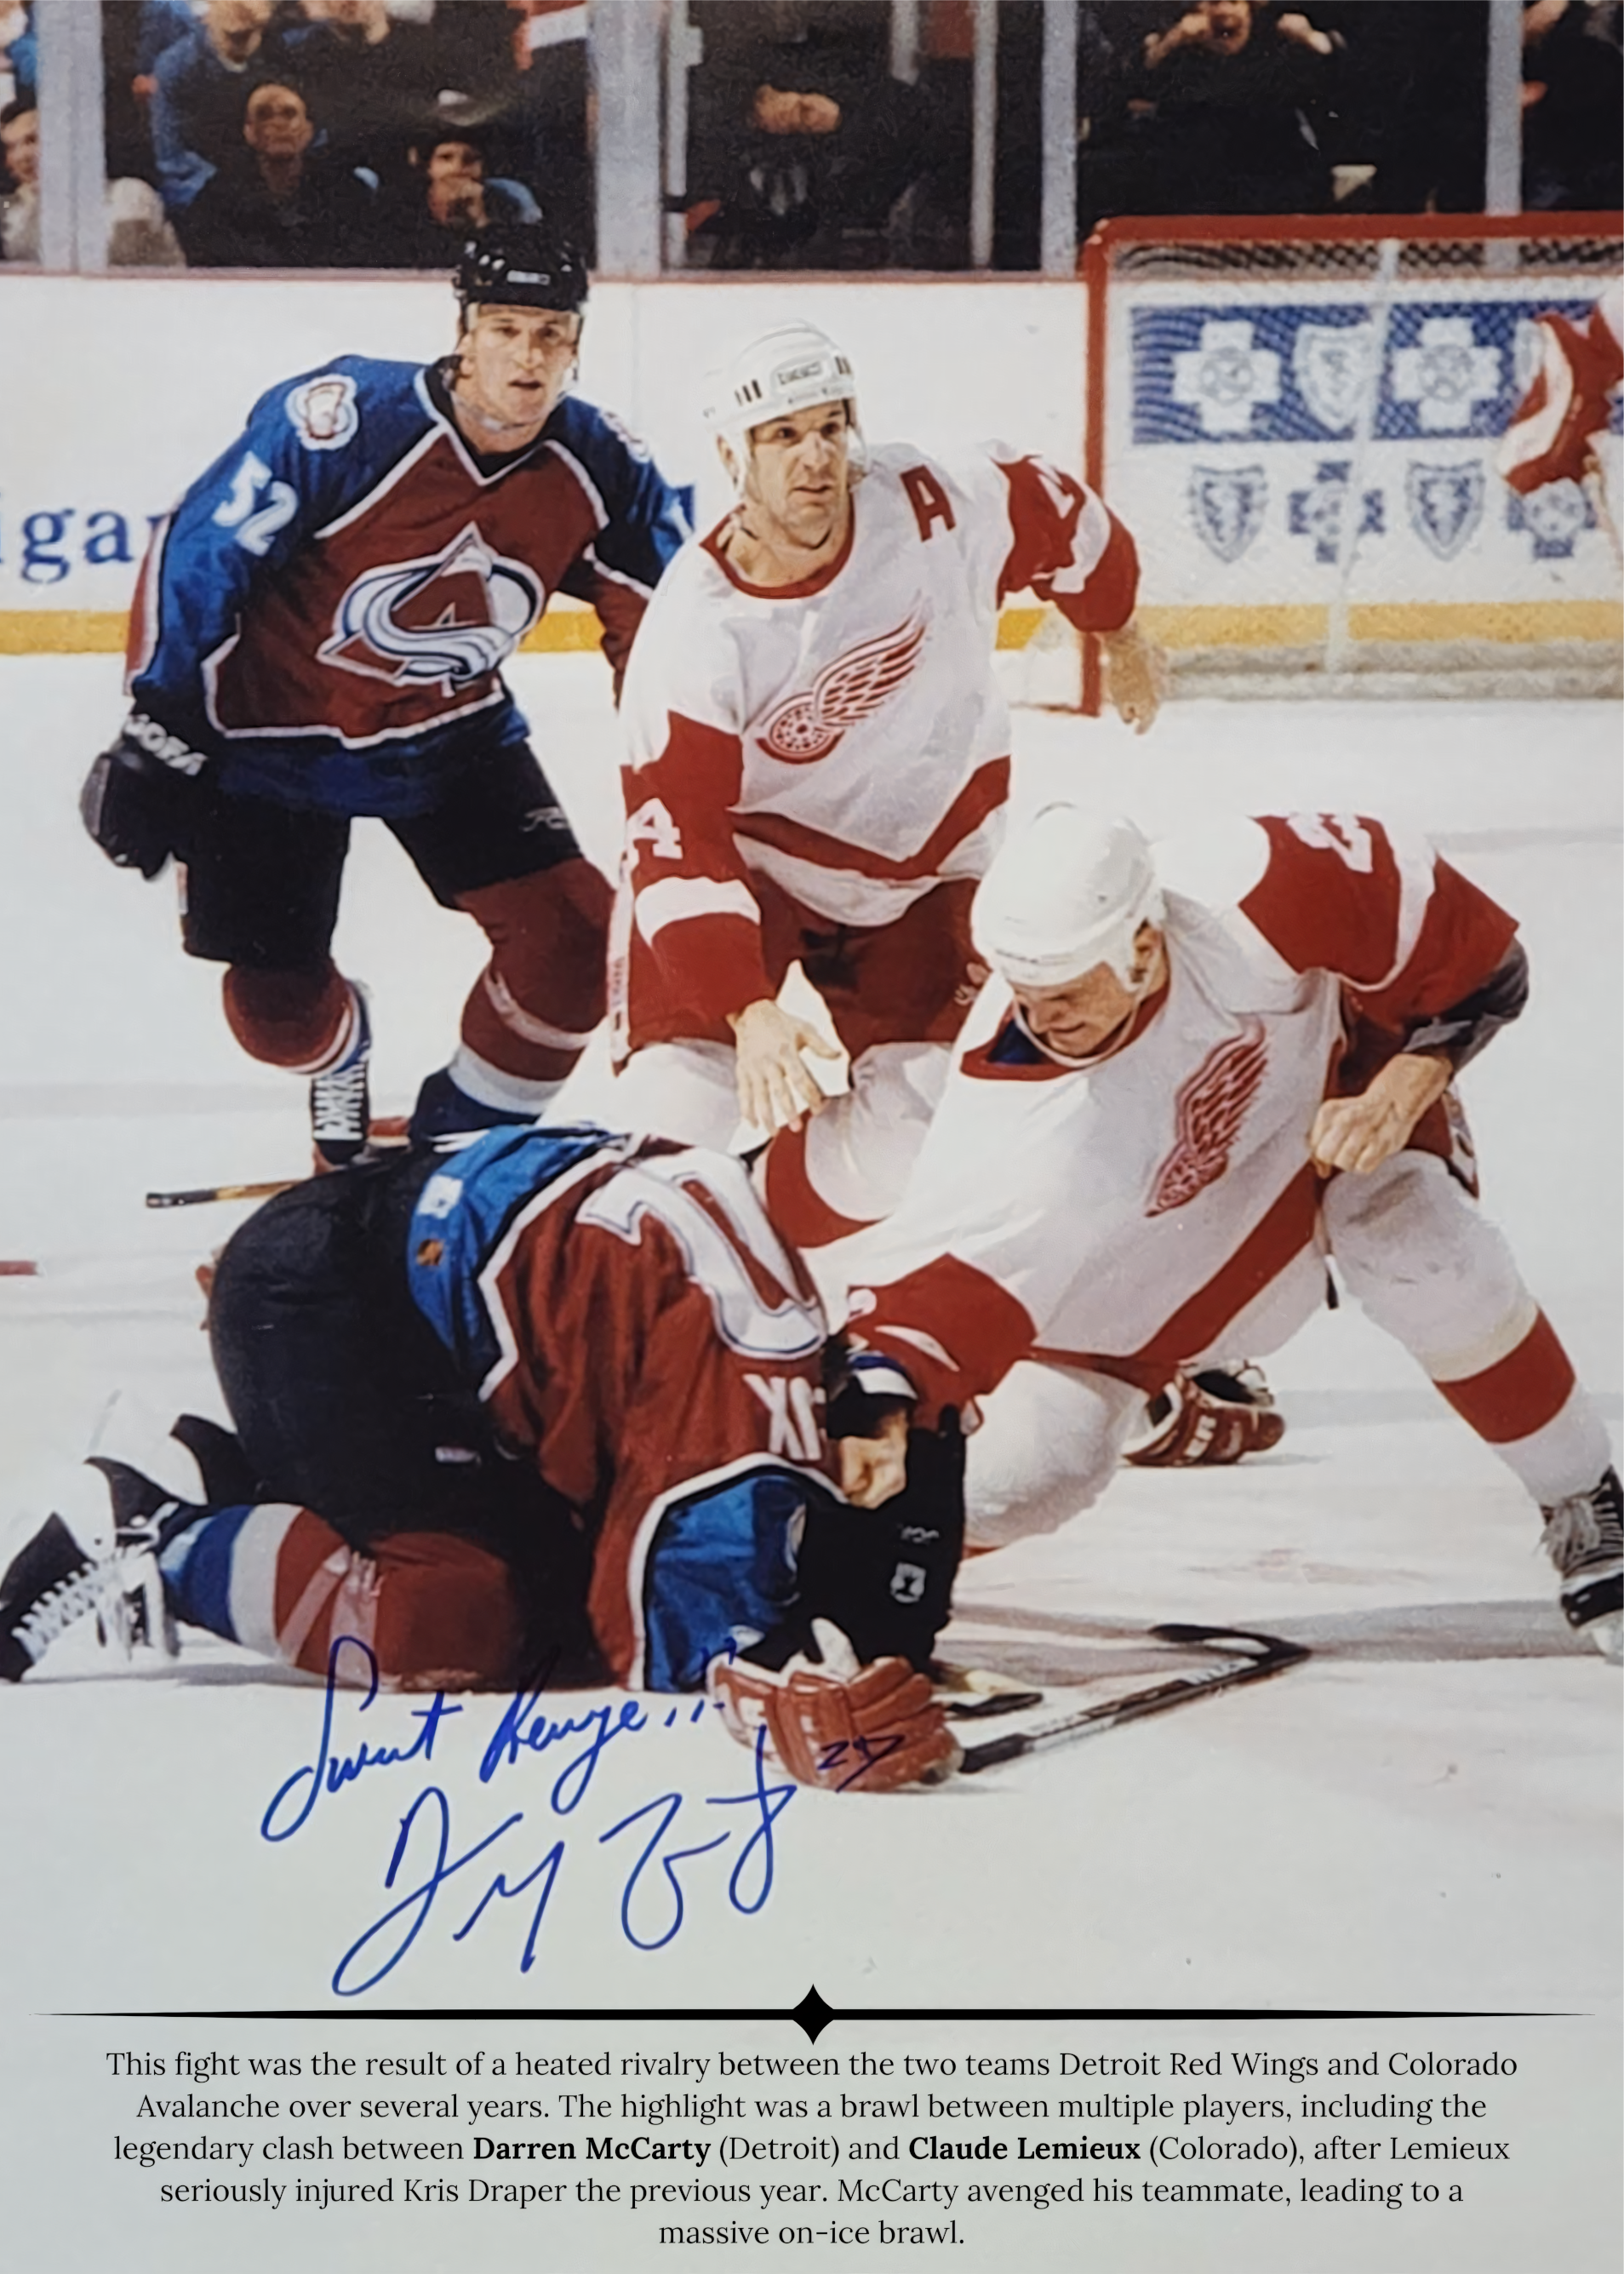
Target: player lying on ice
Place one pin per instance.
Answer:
(818, 762)
(547, 1407)
(318, 634)
(1199, 1073)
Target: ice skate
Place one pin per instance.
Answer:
(1584, 1539)
(53, 1582)
(48, 1586)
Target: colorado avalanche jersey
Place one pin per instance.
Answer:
(843, 737)
(1133, 1211)
(636, 1328)
(326, 612)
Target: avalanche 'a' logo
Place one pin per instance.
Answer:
(851, 688)
(1209, 1113)
(445, 621)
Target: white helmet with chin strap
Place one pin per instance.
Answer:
(1067, 892)
(792, 368)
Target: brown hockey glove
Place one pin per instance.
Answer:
(1205, 1421)
(840, 1726)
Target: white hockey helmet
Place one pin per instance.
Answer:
(1068, 891)
(792, 368)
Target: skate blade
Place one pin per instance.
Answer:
(1607, 1635)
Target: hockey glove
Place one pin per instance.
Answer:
(1206, 1421)
(884, 1576)
(837, 1724)
(136, 794)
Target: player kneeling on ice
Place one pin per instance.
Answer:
(320, 633)
(550, 1406)
(1198, 1073)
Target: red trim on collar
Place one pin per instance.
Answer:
(805, 588)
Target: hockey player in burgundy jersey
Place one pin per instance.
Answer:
(320, 633)
(1555, 433)
(818, 761)
(1194, 1078)
(548, 1407)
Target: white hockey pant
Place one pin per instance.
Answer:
(1421, 1259)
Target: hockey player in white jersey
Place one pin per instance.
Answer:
(1559, 432)
(1195, 1076)
(819, 756)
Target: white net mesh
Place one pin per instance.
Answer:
(1300, 429)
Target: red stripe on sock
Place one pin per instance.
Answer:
(1521, 1392)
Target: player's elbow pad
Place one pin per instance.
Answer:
(1458, 1033)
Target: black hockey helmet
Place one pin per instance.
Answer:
(520, 265)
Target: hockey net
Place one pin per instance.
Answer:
(1246, 380)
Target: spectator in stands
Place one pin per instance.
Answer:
(550, 52)
(1411, 100)
(810, 180)
(278, 203)
(159, 25)
(137, 236)
(1572, 90)
(19, 53)
(200, 81)
(1240, 98)
(449, 196)
(369, 78)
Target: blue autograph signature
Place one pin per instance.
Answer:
(330, 1772)
(654, 1901)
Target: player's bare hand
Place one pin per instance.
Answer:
(776, 1089)
(1136, 676)
(1360, 1133)
(875, 1469)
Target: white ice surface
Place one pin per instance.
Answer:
(1425, 1816)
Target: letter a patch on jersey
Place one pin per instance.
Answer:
(851, 688)
(1210, 1108)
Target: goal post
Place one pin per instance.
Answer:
(1297, 420)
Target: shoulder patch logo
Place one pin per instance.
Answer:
(850, 688)
(1208, 1112)
(323, 413)
(449, 620)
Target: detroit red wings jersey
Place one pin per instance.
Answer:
(1136, 1210)
(845, 738)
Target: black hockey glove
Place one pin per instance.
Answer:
(884, 1576)
(135, 796)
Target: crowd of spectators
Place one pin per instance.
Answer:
(372, 133)
(804, 151)
(321, 133)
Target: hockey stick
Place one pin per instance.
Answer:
(386, 1136)
(1249, 1658)
(199, 1195)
